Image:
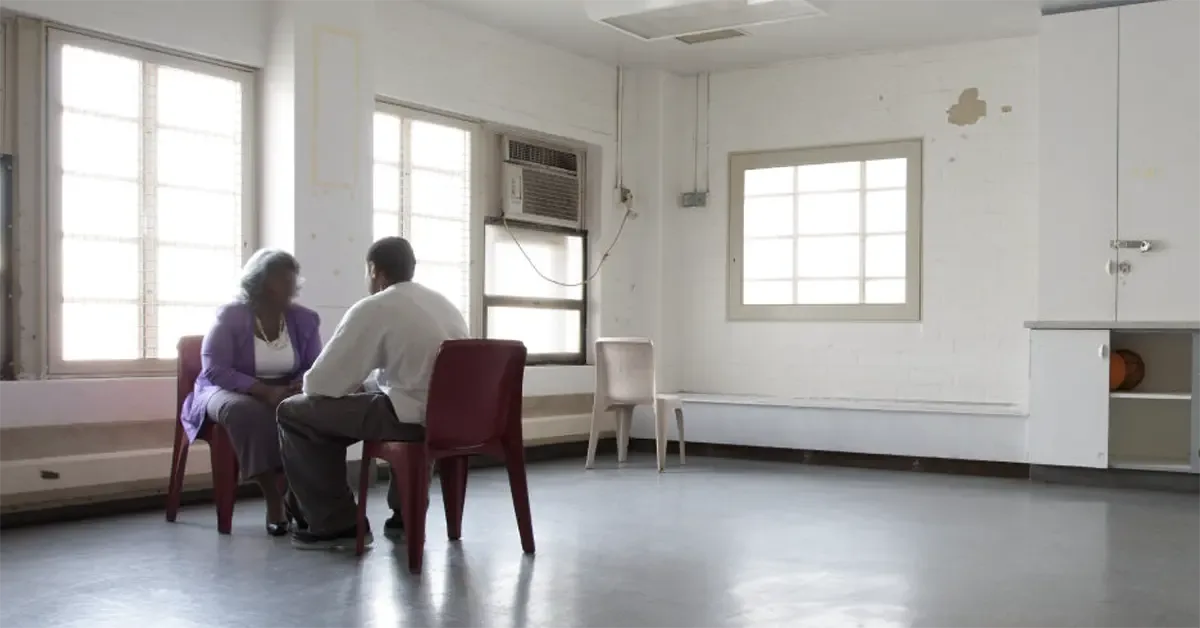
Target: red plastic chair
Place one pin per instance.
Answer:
(224, 460)
(474, 408)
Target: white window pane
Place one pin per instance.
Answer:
(386, 141)
(437, 194)
(450, 280)
(95, 269)
(100, 207)
(100, 146)
(200, 161)
(177, 321)
(556, 256)
(542, 330)
(827, 213)
(767, 259)
(200, 102)
(440, 147)
(885, 291)
(886, 211)
(885, 256)
(768, 216)
(200, 276)
(767, 292)
(387, 188)
(100, 331)
(827, 292)
(887, 173)
(826, 177)
(439, 240)
(195, 217)
(101, 83)
(827, 257)
(386, 224)
(769, 181)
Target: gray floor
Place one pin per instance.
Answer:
(716, 543)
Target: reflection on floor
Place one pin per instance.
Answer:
(715, 543)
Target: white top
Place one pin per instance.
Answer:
(387, 342)
(276, 359)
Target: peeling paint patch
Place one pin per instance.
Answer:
(1005, 108)
(968, 110)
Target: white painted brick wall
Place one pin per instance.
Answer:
(980, 185)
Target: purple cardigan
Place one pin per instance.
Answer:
(227, 356)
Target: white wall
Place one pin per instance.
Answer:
(980, 186)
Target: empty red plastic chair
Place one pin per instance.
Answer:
(224, 460)
(474, 408)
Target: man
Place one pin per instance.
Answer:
(385, 345)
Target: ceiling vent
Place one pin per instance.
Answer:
(650, 20)
(701, 38)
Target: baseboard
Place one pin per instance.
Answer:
(144, 496)
(1117, 478)
(843, 459)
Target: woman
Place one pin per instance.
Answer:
(255, 356)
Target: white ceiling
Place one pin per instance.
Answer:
(848, 26)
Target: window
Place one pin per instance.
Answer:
(524, 296)
(423, 192)
(148, 190)
(826, 234)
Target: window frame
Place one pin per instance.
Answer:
(477, 180)
(56, 38)
(580, 305)
(740, 162)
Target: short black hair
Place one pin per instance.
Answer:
(393, 258)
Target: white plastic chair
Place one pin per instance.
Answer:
(624, 380)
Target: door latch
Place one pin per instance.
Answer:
(1142, 245)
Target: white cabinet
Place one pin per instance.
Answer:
(1068, 404)
(1078, 156)
(1159, 160)
(1119, 162)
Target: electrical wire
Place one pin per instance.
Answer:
(590, 277)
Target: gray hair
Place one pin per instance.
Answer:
(261, 264)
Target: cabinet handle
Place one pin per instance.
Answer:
(1142, 245)
(1110, 267)
(1103, 351)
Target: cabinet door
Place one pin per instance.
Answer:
(1077, 216)
(1159, 176)
(1068, 401)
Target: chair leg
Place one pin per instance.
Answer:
(225, 471)
(679, 423)
(624, 422)
(514, 460)
(453, 472)
(415, 498)
(660, 435)
(364, 483)
(178, 471)
(597, 413)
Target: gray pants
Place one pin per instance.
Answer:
(250, 424)
(314, 433)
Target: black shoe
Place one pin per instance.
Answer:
(279, 528)
(301, 524)
(393, 528)
(345, 539)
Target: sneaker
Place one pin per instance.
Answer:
(344, 540)
(393, 528)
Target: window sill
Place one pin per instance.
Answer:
(882, 405)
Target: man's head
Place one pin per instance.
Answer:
(389, 261)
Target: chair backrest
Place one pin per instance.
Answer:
(624, 370)
(475, 393)
(187, 368)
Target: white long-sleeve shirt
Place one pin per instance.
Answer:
(392, 338)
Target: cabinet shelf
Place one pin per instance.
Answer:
(1150, 395)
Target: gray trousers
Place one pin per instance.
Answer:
(250, 424)
(314, 433)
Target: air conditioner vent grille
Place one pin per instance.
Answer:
(550, 195)
(533, 154)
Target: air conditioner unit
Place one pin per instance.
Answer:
(542, 185)
(651, 20)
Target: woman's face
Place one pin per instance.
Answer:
(280, 286)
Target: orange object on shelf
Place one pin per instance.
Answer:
(1125, 370)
